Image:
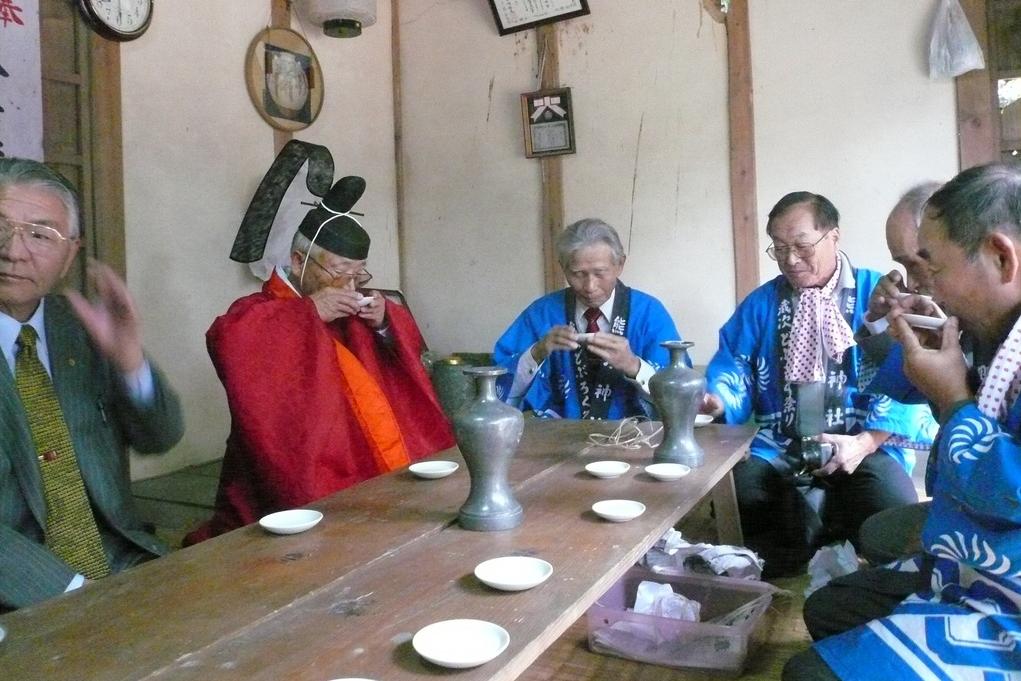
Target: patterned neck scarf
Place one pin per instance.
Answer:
(818, 328)
(1002, 383)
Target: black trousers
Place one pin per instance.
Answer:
(848, 602)
(807, 666)
(786, 522)
(852, 600)
(894, 533)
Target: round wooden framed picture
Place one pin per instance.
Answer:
(284, 79)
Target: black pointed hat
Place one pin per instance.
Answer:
(250, 243)
(330, 224)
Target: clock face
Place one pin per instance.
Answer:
(118, 19)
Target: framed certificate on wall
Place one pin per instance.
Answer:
(518, 15)
(548, 119)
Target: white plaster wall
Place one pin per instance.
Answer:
(357, 125)
(194, 151)
(844, 107)
(650, 94)
(472, 200)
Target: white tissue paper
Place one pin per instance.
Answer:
(672, 631)
(660, 600)
(672, 555)
(657, 600)
(672, 541)
(829, 562)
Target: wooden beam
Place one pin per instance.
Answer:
(280, 17)
(978, 124)
(548, 53)
(395, 65)
(743, 186)
(552, 220)
(728, 516)
(107, 154)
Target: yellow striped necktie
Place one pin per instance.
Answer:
(71, 531)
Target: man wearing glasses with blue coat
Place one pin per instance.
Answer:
(787, 359)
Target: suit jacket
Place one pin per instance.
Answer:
(103, 423)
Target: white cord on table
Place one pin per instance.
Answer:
(628, 435)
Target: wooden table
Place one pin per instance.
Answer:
(345, 598)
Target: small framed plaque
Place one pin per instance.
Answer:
(548, 120)
(518, 15)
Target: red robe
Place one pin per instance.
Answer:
(304, 423)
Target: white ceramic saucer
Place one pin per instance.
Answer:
(667, 471)
(608, 469)
(924, 322)
(618, 510)
(291, 522)
(460, 644)
(433, 469)
(921, 296)
(703, 420)
(513, 573)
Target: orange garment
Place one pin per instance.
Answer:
(366, 399)
(315, 407)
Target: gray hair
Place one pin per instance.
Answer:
(584, 233)
(303, 244)
(977, 202)
(913, 200)
(24, 172)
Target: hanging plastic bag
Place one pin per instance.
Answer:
(953, 47)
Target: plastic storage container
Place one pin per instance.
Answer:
(675, 643)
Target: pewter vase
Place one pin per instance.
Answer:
(677, 392)
(488, 432)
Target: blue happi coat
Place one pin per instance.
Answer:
(746, 374)
(554, 387)
(967, 626)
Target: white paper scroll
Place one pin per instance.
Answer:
(21, 103)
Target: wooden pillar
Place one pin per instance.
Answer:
(107, 154)
(548, 54)
(280, 17)
(395, 65)
(978, 124)
(743, 205)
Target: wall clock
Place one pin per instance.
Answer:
(117, 19)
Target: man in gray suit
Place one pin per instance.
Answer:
(75, 392)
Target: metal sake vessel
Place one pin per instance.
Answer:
(677, 392)
(488, 432)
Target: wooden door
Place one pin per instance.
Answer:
(82, 127)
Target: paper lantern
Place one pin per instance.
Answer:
(339, 18)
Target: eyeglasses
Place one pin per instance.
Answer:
(803, 251)
(342, 279)
(38, 239)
